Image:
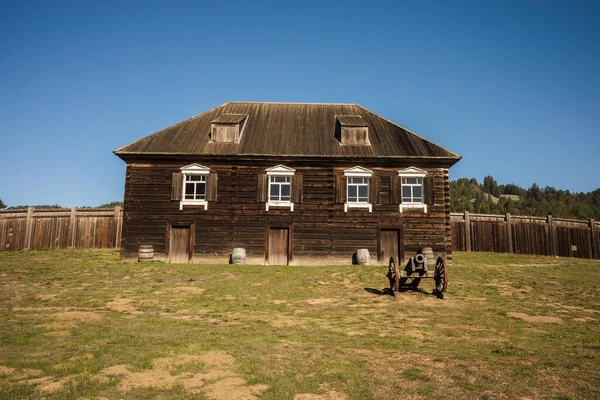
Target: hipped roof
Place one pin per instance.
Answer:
(290, 130)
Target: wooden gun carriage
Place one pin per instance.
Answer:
(416, 269)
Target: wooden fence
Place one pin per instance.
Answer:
(525, 235)
(37, 229)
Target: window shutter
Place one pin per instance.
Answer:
(177, 186)
(263, 187)
(374, 190)
(297, 194)
(211, 187)
(429, 190)
(340, 189)
(396, 190)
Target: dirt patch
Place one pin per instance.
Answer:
(218, 379)
(6, 370)
(506, 289)
(188, 289)
(354, 333)
(329, 395)
(122, 305)
(45, 384)
(536, 318)
(283, 321)
(584, 319)
(321, 301)
(278, 302)
(53, 386)
(84, 316)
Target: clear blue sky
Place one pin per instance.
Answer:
(512, 86)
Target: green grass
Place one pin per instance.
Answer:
(511, 326)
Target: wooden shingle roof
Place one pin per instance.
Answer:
(291, 130)
(351, 120)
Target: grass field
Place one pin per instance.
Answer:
(80, 324)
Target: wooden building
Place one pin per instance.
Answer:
(290, 183)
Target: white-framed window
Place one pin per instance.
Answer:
(194, 185)
(412, 190)
(280, 187)
(357, 188)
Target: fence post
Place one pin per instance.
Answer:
(551, 245)
(509, 239)
(73, 225)
(593, 249)
(467, 232)
(118, 227)
(29, 228)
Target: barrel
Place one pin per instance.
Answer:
(363, 257)
(428, 253)
(238, 256)
(146, 253)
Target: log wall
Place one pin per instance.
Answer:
(525, 235)
(322, 233)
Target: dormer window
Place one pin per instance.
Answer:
(228, 128)
(352, 130)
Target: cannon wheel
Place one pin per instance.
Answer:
(441, 277)
(397, 283)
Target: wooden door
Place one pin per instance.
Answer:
(278, 246)
(389, 243)
(179, 247)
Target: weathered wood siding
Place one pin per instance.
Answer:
(59, 228)
(320, 229)
(525, 235)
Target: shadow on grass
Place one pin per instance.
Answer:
(389, 292)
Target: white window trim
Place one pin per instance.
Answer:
(279, 170)
(357, 172)
(194, 169)
(413, 172)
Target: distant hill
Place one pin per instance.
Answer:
(491, 198)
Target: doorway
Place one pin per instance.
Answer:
(389, 245)
(180, 245)
(278, 246)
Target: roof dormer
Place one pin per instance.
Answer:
(352, 130)
(228, 128)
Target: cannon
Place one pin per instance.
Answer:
(415, 270)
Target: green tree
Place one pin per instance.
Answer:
(491, 186)
(2, 205)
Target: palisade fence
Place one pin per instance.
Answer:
(507, 233)
(37, 229)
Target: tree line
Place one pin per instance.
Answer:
(491, 198)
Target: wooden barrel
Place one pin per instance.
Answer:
(428, 253)
(146, 253)
(238, 256)
(363, 257)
